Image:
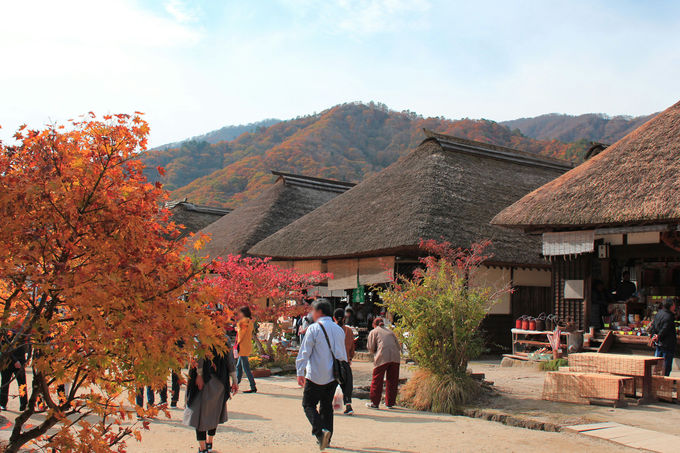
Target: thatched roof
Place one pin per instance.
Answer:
(634, 181)
(446, 188)
(193, 217)
(291, 197)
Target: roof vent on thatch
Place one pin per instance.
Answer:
(310, 182)
(595, 149)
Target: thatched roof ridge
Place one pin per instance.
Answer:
(188, 206)
(193, 217)
(441, 190)
(291, 197)
(498, 152)
(330, 185)
(634, 181)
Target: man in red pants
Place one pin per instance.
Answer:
(386, 350)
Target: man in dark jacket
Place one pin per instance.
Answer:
(664, 335)
(15, 368)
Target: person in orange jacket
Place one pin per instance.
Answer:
(244, 346)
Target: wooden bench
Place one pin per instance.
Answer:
(666, 388)
(586, 388)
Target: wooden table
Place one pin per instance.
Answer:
(537, 338)
(621, 364)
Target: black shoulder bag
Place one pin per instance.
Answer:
(341, 369)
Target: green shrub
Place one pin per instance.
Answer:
(439, 314)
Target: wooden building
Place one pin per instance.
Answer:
(446, 189)
(291, 197)
(617, 212)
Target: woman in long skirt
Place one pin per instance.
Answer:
(207, 393)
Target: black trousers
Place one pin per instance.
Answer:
(20, 375)
(163, 393)
(321, 395)
(175, 390)
(347, 388)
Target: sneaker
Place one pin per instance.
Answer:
(349, 410)
(253, 390)
(208, 447)
(390, 407)
(324, 439)
(3, 408)
(371, 406)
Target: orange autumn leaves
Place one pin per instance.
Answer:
(93, 276)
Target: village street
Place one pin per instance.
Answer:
(272, 421)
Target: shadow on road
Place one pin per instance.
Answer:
(370, 450)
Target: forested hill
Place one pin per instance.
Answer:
(568, 128)
(223, 133)
(346, 142)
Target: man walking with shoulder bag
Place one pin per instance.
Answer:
(323, 344)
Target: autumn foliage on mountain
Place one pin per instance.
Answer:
(347, 142)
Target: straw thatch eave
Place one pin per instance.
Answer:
(635, 181)
(442, 190)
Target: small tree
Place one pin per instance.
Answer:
(272, 292)
(93, 278)
(439, 313)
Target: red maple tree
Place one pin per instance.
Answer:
(94, 279)
(273, 293)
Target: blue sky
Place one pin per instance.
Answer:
(194, 66)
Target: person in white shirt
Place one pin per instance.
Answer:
(315, 370)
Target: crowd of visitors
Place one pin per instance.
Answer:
(327, 347)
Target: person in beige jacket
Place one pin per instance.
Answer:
(386, 350)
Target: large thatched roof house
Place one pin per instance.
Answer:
(291, 197)
(616, 212)
(634, 181)
(193, 217)
(446, 189)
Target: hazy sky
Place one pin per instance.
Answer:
(194, 66)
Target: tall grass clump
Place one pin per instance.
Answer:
(439, 312)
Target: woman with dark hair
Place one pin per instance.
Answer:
(207, 393)
(244, 345)
(348, 385)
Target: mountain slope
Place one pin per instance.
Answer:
(222, 134)
(568, 128)
(346, 142)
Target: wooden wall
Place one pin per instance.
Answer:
(572, 268)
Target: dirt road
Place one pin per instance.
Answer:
(272, 421)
